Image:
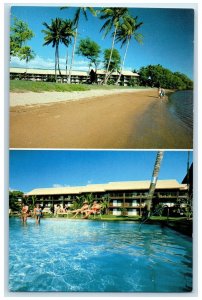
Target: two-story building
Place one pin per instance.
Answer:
(77, 77)
(130, 195)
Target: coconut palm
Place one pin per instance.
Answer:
(57, 32)
(27, 54)
(114, 63)
(113, 16)
(70, 32)
(105, 203)
(89, 198)
(79, 11)
(125, 32)
(152, 187)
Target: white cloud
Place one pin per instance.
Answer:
(48, 63)
(89, 181)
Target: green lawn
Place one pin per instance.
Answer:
(20, 86)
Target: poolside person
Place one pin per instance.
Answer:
(80, 210)
(94, 209)
(24, 213)
(37, 213)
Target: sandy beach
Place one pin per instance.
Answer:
(122, 120)
(31, 98)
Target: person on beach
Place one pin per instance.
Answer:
(94, 209)
(161, 92)
(37, 213)
(80, 210)
(24, 213)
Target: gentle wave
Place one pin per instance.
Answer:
(181, 104)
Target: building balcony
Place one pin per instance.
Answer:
(167, 196)
(133, 205)
(127, 205)
(133, 197)
(183, 196)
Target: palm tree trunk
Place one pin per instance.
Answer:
(58, 60)
(109, 74)
(72, 60)
(66, 64)
(55, 65)
(26, 65)
(110, 57)
(26, 70)
(122, 66)
(152, 187)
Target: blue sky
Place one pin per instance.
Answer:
(168, 38)
(31, 169)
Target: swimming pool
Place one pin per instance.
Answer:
(97, 256)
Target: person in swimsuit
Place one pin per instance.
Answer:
(80, 210)
(94, 209)
(24, 213)
(37, 213)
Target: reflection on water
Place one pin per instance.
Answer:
(75, 255)
(181, 104)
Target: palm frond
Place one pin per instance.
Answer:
(84, 13)
(77, 16)
(93, 11)
(106, 27)
(64, 7)
(138, 37)
(46, 25)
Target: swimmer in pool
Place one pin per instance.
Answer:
(24, 213)
(37, 213)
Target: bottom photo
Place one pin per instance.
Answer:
(100, 221)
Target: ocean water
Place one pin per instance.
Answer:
(181, 104)
(97, 256)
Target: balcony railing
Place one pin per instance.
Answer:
(167, 196)
(127, 205)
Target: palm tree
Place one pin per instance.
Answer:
(113, 16)
(79, 201)
(70, 32)
(89, 198)
(79, 11)
(26, 54)
(154, 179)
(57, 32)
(105, 203)
(125, 32)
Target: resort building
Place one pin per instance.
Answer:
(77, 77)
(128, 198)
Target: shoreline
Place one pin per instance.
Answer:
(134, 120)
(33, 98)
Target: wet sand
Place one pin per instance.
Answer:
(136, 120)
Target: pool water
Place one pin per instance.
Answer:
(97, 256)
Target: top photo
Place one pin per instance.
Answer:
(101, 77)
